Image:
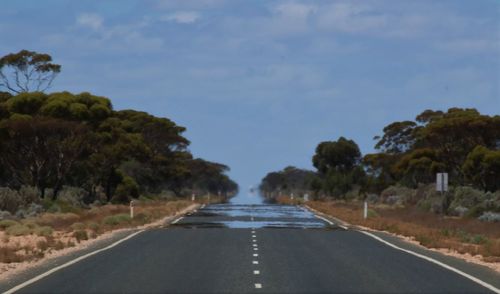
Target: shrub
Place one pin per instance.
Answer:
(126, 189)
(490, 217)
(478, 239)
(58, 220)
(9, 200)
(44, 231)
(29, 195)
(397, 195)
(78, 226)
(61, 206)
(18, 230)
(72, 196)
(42, 245)
(467, 197)
(372, 213)
(59, 245)
(94, 226)
(4, 214)
(80, 235)
(117, 219)
(143, 217)
(7, 223)
(30, 224)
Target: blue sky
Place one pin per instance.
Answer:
(259, 84)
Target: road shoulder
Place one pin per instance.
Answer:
(31, 270)
(479, 271)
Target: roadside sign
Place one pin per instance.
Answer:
(442, 182)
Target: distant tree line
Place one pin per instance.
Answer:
(461, 142)
(62, 139)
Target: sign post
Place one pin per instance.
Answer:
(442, 182)
(365, 210)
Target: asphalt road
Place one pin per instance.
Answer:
(253, 249)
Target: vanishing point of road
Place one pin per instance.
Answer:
(229, 248)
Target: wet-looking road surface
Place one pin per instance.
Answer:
(231, 248)
(257, 216)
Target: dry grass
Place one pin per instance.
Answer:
(464, 235)
(32, 238)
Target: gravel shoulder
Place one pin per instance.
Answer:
(20, 272)
(487, 272)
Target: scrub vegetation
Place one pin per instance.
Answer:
(399, 181)
(31, 238)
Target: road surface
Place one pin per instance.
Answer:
(253, 249)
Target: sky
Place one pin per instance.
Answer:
(258, 84)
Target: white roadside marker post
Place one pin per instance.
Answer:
(132, 204)
(192, 197)
(365, 210)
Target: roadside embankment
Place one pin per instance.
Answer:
(467, 238)
(27, 242)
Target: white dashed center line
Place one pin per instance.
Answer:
(255, 255)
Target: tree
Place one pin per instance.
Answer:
(428, 116)
(341, 155)
(482, 168)
(40, 152)
(289, 180)
(456, 134)
(418, 166)
(398, 137)
(380, 171)
(27, 71)
(338, 162)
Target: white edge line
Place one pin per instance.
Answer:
(474, 279)
(331, 223)
(175, 221)
(47, 273)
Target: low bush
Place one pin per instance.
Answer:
(44, 231)
(78, 226)
(42, 245)
(58, 220)
(10, 200)
(30, 224)
(72, 195)
(95, 227)
(18, 230)
(80, 235)
(116, 219)
(61, 206)
(7, 223)
(490, 217)
(142, 217)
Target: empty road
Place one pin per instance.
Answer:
(229, 248)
